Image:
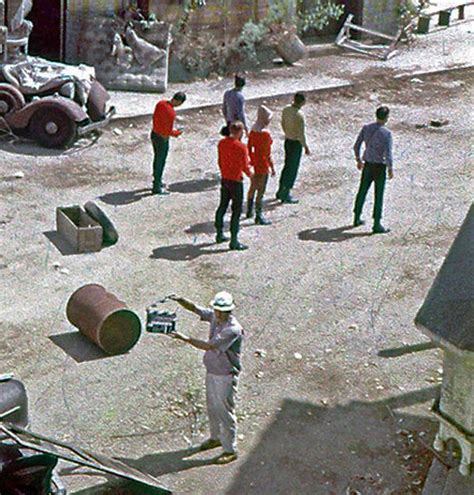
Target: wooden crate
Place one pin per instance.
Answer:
(82, 232)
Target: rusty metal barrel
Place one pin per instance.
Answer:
(104, 319)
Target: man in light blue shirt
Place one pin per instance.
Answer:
(233, 107)
(375, 164)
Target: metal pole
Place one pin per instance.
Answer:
(62, 31)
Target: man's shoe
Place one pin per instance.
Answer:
(226, 457)
(209, 444)
(290, 200)
(160, 192)
(358, 222)
(380, 229)
(220, 238)
(261, 220)
(237, 246)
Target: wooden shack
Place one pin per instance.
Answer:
(447, 317)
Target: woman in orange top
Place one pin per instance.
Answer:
(260, 144)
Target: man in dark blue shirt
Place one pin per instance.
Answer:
(375, 164)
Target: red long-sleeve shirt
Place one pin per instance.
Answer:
(163, 119)
(233, 159)
(260, 146)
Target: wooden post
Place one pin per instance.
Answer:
(255, 10)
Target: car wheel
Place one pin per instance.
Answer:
(8, 102)
(53, 128)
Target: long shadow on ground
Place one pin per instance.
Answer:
(323, 234)
(360, 447)
(195, 185)
(186, 252)
(125, 197)
(156, 465)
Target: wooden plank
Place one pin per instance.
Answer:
(456, 5)
(355, 27)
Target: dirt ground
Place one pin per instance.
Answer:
(339, 400)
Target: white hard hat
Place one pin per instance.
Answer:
(223, 301)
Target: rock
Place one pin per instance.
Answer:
(325, 402)
(56, 265)
(259, 374)
(117, 131)
(416, 80)
(64, 271)
(298, 356)
(19, 174)
(353, 326)
(260, 353)
(439, 123)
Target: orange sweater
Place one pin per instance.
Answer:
(163, 119)
(233, 159)
(260, 149)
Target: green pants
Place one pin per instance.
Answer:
(160, 149)
(293, 152)
(372, 172)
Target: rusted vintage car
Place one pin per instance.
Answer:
(53, 116)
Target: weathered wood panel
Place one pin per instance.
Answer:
(222, 18)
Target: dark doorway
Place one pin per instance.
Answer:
(356, 8)
(46, 38)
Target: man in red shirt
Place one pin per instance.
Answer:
(233, 162)
(163, 122)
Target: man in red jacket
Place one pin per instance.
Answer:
(163, 122)
(233, 162)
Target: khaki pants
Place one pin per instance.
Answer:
(221, 391)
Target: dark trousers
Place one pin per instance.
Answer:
(160, 149)
(231, 191)
(372, 172)
(293, 151)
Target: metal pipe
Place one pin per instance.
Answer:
(103, 319)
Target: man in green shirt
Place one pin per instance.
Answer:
(292, 122)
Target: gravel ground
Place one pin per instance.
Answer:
(327, 410)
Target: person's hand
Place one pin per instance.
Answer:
(359, 165)
(307, 151)
(390, 173)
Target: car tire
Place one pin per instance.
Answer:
(110, 234)
(52, 128)
(10, 100)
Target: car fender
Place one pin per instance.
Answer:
(15, 93)
(21, 119)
